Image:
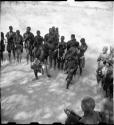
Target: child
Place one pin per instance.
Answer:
(37, 67)
(90, 116)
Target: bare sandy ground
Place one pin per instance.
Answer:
(43, 101)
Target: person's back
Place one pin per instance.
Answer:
(90, 116)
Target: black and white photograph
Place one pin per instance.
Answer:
(56, 62)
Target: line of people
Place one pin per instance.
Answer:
(67, 56)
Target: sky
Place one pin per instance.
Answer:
(91, 20)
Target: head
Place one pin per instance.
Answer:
(72, 36)
(111, 49)
(62, 38)
(2, 36)
(82, 40)
(88, 104)
(17, 32)
(28, 29)
(105, 49)
(57, 30)
(53, 28)
(10, 28)
(50, 30)
(38, 33)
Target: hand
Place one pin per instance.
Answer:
(67, 111)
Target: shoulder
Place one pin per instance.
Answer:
(69, 42)
(31, 34)
(24, 34)
(21, 36)
(35, 37)
(14, 33)
(41, 37)
(7, 33)
(46, 35)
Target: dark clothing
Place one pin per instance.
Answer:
(52, 40)
(29, 45)
(61, 47)
(72, 64)
(42, 52)
(29, 40)
(2, 47)
(72, 43)
(18, 42)
(60, 54)
(38, 41)
(10, 39)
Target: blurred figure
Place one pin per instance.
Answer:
(18, 41)
(72, 117)
(28, 38)
(61, 53)
(72, 42)
(38, 41)
(107, 79)
(71, 64)
(83, 48)
(105, 72)
(111, 55)
(2, 48)
(90, 116)
(52, 41)
(37, 67)
(107, 111)
(102, 57)
(10, 40)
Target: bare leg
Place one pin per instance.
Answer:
(27, 56)
(47, 70)
(9, 56)
(13, 53)
(36, 74)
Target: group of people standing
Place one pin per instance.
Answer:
(67, 56)
(50, 49)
